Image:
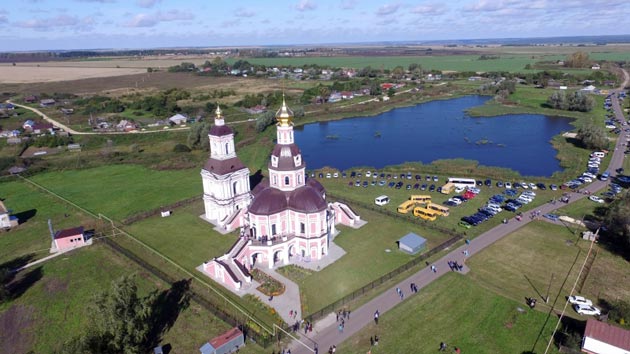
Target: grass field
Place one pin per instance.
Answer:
(459, 312)
(32, 236)
(122, 190)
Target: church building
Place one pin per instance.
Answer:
(283, 219)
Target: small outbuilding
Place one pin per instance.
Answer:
(69, 238)
(604, 338)
(412, 243)
(228, 342)
(178, 119)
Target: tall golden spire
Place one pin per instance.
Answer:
(218, 119)
(284, 114)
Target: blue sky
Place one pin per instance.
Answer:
(83, 24)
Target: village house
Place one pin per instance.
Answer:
(48, 102)
(595, 67)
(604, 338)
(42, 128)
(28, 124)
(178, 119)
(126, 126)
(347, 95)
(69, 238)
(334, 97)
(228, 342)
(31, 99)
(6, 221)
(67, 111)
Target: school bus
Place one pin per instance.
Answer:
(425, 213)
(406, 206)
(423, 199)
(439, 209)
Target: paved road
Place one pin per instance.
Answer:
(328, 334)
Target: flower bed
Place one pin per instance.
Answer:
(268, 285)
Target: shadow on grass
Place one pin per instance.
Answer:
(575, 142)
(24, 216)
(18, 262)
(23, 281)
(166, 309)
(14, 283)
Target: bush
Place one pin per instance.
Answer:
(181, 148)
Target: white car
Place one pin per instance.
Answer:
(368, 174)
(533, 186)
(587, 179)
(459, 189)
(508, 185)
(596, 199)
(587, 310)
(456, 201)
(524, 185)
(581, 300)
(529, 194)
(336, 175)
(328, 175)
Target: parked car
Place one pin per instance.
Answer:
(552, 217)
(488, 183)
(596, 199)
(553, 187)
(574, 299)
(500, 184)
(435, 178)
(587, 310)
(464, 224)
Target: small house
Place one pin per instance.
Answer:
(67, 111)
(228, 342)
(48, 102)
(41, 128)
(28, 125)
(347, 95)
(178, 119)
(412, 243)
(6, 221)
(31, 99)
(595, 67)
(69, 238)
(604, 338)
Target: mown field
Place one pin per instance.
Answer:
(119, 191)
(459, 312)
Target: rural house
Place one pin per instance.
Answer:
(69, 238)
(604, 338)
(228, 342)
(178, 119)
(41, 128)
(48, 102)
(6, 221)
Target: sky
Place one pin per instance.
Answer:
(91, 24)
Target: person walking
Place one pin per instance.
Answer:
(433, 268)
(376, 317)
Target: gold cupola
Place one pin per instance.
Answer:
(218, 119)
(284, 114)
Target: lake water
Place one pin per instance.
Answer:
(433, 131)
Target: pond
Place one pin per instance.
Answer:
(433, 131)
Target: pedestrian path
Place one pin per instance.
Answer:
(327, 333)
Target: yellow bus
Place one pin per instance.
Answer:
(439, 209)
(447, 188)
(423, 199)
(406, 206)
(425, 213)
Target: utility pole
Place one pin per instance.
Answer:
(549, 288)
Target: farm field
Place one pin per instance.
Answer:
(32, 74)
(459, 312)
(119, 191)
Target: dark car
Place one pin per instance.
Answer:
(424, 187)
(353, 174)
(500, 184)
(321, 175)
(408, 187)
(488, 183)
(541, 186)
(432, 188)
(479, 183)
(344, 175)
(399, 185)
(365, 184)
(418, 177)
(416, 186)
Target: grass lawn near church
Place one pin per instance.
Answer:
(458, 311)
(365, 261)
(119, 191)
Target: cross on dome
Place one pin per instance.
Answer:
(218, 119)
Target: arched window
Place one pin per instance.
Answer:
(275, 180)
(234, 185)
(286, 180)
(227, 148)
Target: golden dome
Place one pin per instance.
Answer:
(218, 112)
(284, 114)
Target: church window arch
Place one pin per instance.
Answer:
(234, 187)
(227, 148)
(286, 180)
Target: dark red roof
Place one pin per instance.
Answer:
(293, 148)
(225, 338)
(285, 155)
(41, 126)
(69, 232)
(608, 333)
(222, 167)
(220, 130)
(306, 199)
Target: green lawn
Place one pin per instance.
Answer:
(183, 236)
(524, 263)
(122, 190)
(366, 258)
(32, 237)
(54, 309)
(459, 312)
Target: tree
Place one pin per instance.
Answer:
(577, 101)
(593, 137)
(577, 60)
(618, 222)
(198, 136)
(120, 318)
(264, 120)
(398, 72)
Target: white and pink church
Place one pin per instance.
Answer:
(285, 218)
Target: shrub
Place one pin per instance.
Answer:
(181, 148)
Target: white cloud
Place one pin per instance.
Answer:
(387, 9)
(147, 3)
(52, 22)
(101, 1)
(153, 19)
(241, 12)
(3, 19)
(305, 5)
(348, 4)
(429, 9)
(231, 23)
